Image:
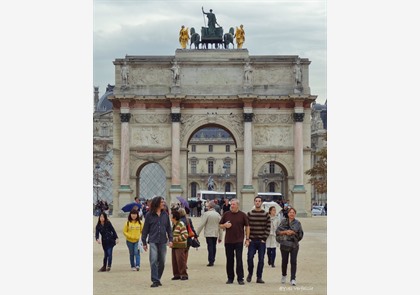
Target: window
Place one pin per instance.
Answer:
(210, 165)
(210, 148)
(193, 166)
(227, 187)
(272, 187)
(226, 165)
(272, 167)
(228, 148)
(104, 132)
(193, 148)
(193, 190)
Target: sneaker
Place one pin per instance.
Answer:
(260, 281)
(283, 279)
(137, 268)
(229, 282)
(133, 269)
(102, 269)
(249, 278)
(293, 282)
(176, 278)
(184, 278)
(241, 282)
(108, 268)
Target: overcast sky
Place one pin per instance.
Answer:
(152, 27)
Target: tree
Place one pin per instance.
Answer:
(318, 173)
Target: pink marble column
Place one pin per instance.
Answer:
(125, 149)
(248, 149)
(298, 145)
(176, 119)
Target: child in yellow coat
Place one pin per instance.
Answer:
(132, 232)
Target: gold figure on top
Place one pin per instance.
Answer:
(240, 36)
(183, 37)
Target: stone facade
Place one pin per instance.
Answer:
(267, 111)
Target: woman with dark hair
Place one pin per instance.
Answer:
(291, 232)
(156, 232)
(132, 232)
(109, 239)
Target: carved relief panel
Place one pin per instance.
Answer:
(150, 136)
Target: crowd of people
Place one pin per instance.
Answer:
(153, 226)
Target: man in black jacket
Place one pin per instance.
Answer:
(156, 231)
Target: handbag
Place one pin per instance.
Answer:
(140, 246)
(195, 243)
(189, 229)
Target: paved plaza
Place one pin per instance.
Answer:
(311, 270)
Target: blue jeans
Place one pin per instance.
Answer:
(211, 248)
(253, 247)
(133, 250)
(108, 256)
(157, 260)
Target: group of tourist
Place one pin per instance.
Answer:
(260, 231)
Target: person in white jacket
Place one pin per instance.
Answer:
(213, 233)
(271, 242)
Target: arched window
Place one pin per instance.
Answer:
(193, 189)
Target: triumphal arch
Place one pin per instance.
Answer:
(263, 101)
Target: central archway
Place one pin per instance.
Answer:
(211, 155)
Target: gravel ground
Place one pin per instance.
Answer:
(311, 270)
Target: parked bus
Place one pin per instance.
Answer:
(211, 195)
(271, 196)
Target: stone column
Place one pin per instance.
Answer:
(175, 189)
(299, 192)
(248, 149)
(125, 149)
(176, 119)
(298, 145)
(125, 191)
(248, 192)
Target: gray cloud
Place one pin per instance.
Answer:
(151, 28)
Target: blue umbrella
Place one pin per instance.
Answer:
(130, 206)
(184, 202)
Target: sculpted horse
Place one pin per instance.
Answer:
(228, 38)
(195, 38)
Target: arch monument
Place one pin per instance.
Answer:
(257, 99)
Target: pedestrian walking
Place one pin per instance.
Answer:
(226, 206)
(259, 230)
(109, 239)
(271, 243)
(234, 222)
(289, 233)
(132, 232)
(185, 218)
(179, 248)
(156, 232)
(213, 233)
